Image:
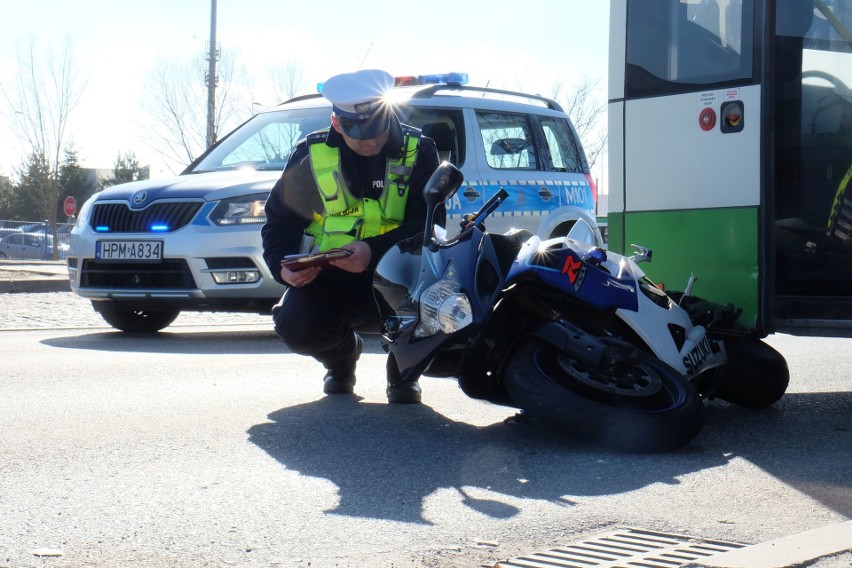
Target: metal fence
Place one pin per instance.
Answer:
(33, 240)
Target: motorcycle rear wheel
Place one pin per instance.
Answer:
(647, 408)
(755, 376)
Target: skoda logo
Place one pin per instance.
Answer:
(139, 197)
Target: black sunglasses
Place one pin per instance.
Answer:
(365, 129)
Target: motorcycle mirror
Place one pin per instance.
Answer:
(445, 181)
(442, 185)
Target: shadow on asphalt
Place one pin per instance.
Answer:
(386, 459)
(237, 342)
(804, 440)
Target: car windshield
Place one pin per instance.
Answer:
(265, 141)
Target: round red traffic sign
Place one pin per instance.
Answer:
(70, 206)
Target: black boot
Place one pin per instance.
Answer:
(399, 391)
(340, 378)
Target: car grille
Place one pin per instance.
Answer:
(120, 218)
(173, 274)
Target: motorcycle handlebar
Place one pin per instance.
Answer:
(490, 206)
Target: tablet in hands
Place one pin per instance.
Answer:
(297, 262)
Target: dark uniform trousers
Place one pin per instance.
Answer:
(320, 319)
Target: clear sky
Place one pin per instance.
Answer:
(526, 45)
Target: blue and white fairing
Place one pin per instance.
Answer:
(405, 274)
(611, 282)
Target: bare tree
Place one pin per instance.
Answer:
(585, 111)
(38, 105)
(284, 80)
(287, 80)
(177, 106)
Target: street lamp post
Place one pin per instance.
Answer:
(212, 56)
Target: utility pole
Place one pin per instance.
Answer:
(212, 79)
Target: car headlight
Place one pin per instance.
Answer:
(83, 214)
(242, 210)
(443, 306)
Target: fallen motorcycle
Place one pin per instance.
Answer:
(575, 336)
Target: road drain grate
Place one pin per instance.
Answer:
(625, 548)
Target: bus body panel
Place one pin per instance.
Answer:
(617, 46)
(701, 221)
(690, 168)
(717, 246)
(615, 118)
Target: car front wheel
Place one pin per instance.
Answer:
(136, 319)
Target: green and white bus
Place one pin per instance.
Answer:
(730, 128)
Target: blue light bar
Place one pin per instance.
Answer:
(433, 79)
(159, 228)
(102, 229)
(454, 77)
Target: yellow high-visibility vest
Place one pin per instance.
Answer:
(345, 218)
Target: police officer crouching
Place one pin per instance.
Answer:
(357, 185)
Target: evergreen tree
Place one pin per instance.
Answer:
(9, 203)
(72, 182)
(126, 169)
(38, 189)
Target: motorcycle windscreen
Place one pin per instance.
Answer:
(395, 278)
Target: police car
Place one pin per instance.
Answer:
(144, 251)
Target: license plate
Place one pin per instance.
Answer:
(138, 251)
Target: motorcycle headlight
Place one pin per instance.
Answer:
(242, 210)
(454, 313)
(443, 307)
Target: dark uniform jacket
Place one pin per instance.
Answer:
(295, 196)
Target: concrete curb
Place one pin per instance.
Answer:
(41, 276)
(793, 550)
(34, 285)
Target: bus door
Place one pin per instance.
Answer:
(729, 129)
(811, 164)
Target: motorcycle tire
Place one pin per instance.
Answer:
(650, 408)
(755, 376)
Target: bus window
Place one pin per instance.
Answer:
(685, 45)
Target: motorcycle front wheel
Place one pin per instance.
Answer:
(645, 407)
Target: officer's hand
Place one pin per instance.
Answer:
(300, 278)
(358, 260)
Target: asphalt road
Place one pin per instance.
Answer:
(209, 445)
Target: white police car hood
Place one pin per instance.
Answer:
(209, 186)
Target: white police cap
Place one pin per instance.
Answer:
(357, 95)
